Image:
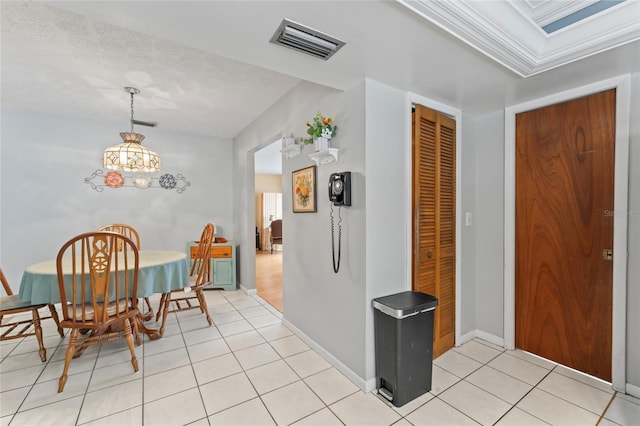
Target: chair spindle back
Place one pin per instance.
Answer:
(201, 266)
(97, 278)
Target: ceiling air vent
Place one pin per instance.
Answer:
(306, 40)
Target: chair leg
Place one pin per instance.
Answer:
(129, 337)
(165, 312)
(203, 306)
(136, 332)
(161, 306)
(38, 330)
(147, 316)
(54, 315)
(148, 302)
(73, 338)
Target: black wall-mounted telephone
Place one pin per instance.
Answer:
(339, 195)
(340, 189)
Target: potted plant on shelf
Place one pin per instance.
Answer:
(321, 129)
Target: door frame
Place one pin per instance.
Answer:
(620, 220)
(411, 99)
(249, 219)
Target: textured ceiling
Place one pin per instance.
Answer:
(61, 62)
(208, 67)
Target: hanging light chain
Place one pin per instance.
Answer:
(131, 110)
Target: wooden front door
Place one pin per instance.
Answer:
(434, 218)
(564, 221)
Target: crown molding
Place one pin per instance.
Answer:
(548, 11)
(509, 36)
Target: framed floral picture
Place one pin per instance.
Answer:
(304, 190)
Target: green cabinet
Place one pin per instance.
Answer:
(224, 273)
(223, 264)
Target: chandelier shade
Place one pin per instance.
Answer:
(130, 155)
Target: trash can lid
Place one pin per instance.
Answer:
(405, 304)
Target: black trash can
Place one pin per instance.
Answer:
(403, 325)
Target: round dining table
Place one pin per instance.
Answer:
(159, 271)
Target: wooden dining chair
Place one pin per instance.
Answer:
(199, 276)
(21, 327)
(131, 233)
(98, 282)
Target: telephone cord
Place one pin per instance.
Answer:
(336, 266)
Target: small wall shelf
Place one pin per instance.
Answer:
(291, 151)
(325, 156)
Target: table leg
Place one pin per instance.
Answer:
(153, 333)
(147, 316)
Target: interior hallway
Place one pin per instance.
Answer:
(269, 277)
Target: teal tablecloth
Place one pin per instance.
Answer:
(160, 271)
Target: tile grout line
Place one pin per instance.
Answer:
(464, 379)
(524, 396)
(566, 400)
(301, 379)
(607, 407)
(579, 381)
(487, 364)
(233, 353)
(84, 395)
(445, 402)
(534, 386)
(195, 376)
(34, 382)
(460, 379)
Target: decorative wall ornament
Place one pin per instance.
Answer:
(99, 180)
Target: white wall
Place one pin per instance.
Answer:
(45, 201)
(489, 223)
(334, 310)
(388, 249)
(327, 307)
(633, 277)
(468, 250)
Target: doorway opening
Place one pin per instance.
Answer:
(268, 206)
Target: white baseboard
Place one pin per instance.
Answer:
(248, 291)
(633, 390)
(466, 337)
(490, 338)
(364, 385)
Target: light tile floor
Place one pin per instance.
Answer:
(248, 369)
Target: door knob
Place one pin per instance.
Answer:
(429, 254)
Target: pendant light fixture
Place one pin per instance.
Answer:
(130, 155)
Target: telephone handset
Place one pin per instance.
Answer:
(339, 195)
